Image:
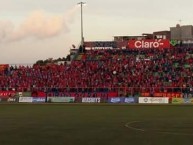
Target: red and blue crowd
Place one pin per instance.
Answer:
(126, 71)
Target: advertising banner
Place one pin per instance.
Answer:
(83, 94)
(38, 100)
(7, 94)
(187, 100)
(100, 44)
(116, 100)
(25, 99)
(91, 100)
(182, 100)
(154, 100)
(170, 95)
(8, 100)
(129, 100)
(177, 100)
(122, 100)
(61, 99)
(162, 94)
(12, 100)
(149, 43)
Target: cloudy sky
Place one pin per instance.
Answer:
(31, 30)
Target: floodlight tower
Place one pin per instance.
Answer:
(82, 36)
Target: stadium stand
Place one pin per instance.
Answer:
(120, 72)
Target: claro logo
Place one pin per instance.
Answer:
(150, 43)
(146, 44)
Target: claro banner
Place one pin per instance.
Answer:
(149, 43)
(154, 100)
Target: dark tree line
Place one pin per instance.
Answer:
(51, 60)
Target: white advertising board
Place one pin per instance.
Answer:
(91, 100)
(25, 99)
(154, 100)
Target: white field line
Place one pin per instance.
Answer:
(128, 125)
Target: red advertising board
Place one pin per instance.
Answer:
(149, 43)
(162, 94)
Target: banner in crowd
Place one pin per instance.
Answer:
(61, 99)
(154, 100)
(162, 94)
(121, 100)
(7, 94)
(91, 100)
(182, 100)
(83, 94)
(149, 43)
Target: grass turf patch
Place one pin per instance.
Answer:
(61, 124)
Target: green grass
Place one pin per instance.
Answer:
(62, 124)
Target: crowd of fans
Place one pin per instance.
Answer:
(123, 70)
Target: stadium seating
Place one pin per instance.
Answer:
(125, 71)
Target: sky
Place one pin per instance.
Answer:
(32, 30)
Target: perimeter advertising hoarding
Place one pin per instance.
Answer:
(115, 100)
(25, 99)
(8, 100)
(149, 43)
(12, 100)
(91, 100)
(129, 100)
(182, 100)
(38, 100)
(61, 99)
(154, 100)
(121, 100)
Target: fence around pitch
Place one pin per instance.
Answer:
(143, 95)
(97, 100)
(99, 92)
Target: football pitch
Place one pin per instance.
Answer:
(92, 124)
